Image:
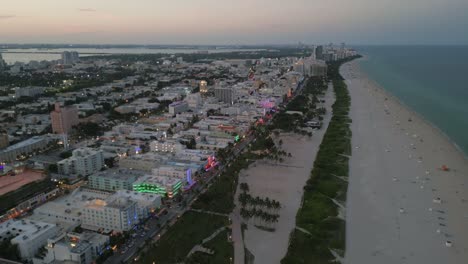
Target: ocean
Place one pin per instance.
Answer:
(432, 80)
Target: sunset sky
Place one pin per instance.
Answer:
(234, 22)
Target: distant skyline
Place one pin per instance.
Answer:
(241, 22)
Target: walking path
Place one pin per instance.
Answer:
(200, 247)
(208, 212)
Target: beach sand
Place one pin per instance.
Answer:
(283, 182)
(393, 211)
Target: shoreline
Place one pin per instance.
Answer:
(363, 73)
(401, 207)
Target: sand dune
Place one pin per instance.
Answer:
(394, 214)
(283, 182)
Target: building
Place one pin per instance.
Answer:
(171, 146)
(194, 100)
(63, 119)
(70, 57)
(162, 185)
(178, 107)
(28, 235)
(4, 142)
(203, 87)
(3, 64)
(145, 162)
(147, 203)
(178, 172)
(28, 91)
(114, 179)
(24, 148)
(98, 210)
(66, 211)
(319, 53)
(76, 248)
(115, 213)
(311, 67)
(84, 161)
(224, 94)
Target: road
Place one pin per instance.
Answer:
(188, 198)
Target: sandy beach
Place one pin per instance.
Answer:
(401, 207)
(283, 182)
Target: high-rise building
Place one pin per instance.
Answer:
(203, 87)
(3, 64)
(224, 94)
(63, 119)
(319, 53)
(4, 142)
(70, 57)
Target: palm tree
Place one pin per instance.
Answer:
(243, 199)
(244, 213)
(269, 204)
(258, 201)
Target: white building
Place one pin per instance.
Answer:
(147, 203)
(28, 235)
(145, 162)
(112, 214)
(84, 161)
(171, 146)
(23, 148)
(171, 171)
(114, 179)
(178, 107)
(311, 67)
(66, 211)
(76, 248)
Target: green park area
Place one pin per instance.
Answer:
(189, 231)
(321, 230)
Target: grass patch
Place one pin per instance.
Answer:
(223, 251)
(177, 242)
(318, 213)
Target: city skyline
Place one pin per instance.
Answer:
(239, 23)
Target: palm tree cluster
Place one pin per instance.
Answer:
(263, 211)
(260, 217)
(249, 201)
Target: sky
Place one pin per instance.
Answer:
(234, 22)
